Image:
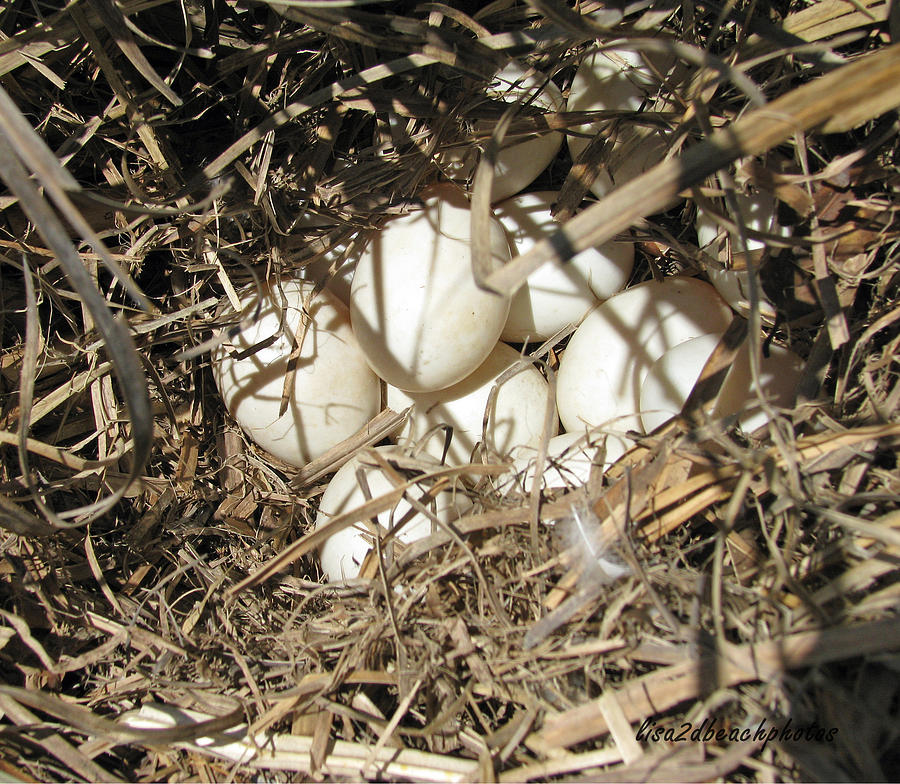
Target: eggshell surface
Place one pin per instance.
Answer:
(517, 417)
(342, 554)
(757, 210)
(602, 368)
(616, 80)
(557, 295)
(334, 392)
(671, 378)
(518, 162)
(780, 373)
(421, 320)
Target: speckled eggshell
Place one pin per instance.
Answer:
(518, 163)
(602, 368)
(517, 419)
(557, 295)
(335, 392)
(421, 320)
(342, 554)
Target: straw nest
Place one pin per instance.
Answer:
(162, 614)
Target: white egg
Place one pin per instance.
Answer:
(517, 417)
(342, 555)
(758, 213)
(671, 378)
(616, 80)
(421, 320)
(780, 373)
(610, 353)
(334, 392)
(630, 158)
(557, 295)
(757, 210)
(568, 465)
(518, 163)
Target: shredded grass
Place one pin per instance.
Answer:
(158, 580)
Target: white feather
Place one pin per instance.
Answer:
(595, 551)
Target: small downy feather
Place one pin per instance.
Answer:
(591, 548)
(597, 564)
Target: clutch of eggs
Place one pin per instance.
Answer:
(420, 323)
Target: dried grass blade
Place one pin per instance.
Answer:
(30, 148)
(318, 98)
(381, 426)
(117, 26)
(559, 616)
(138, 638)
(863, 90)
(583, 26)
(28, 639)
(346, 86)
(561, 764)
(14, 518)
(55, 745)
(875, 531)
(482, 251)
(692, 496)
(97, 572)
(118, 340)
(27, 376)
(74, 386)
(23, 57)
(831, 17)
(288, 752)
(58, 182)
(87, 721)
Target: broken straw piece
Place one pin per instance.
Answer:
(282, 751)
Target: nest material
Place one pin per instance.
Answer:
(204, 147)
